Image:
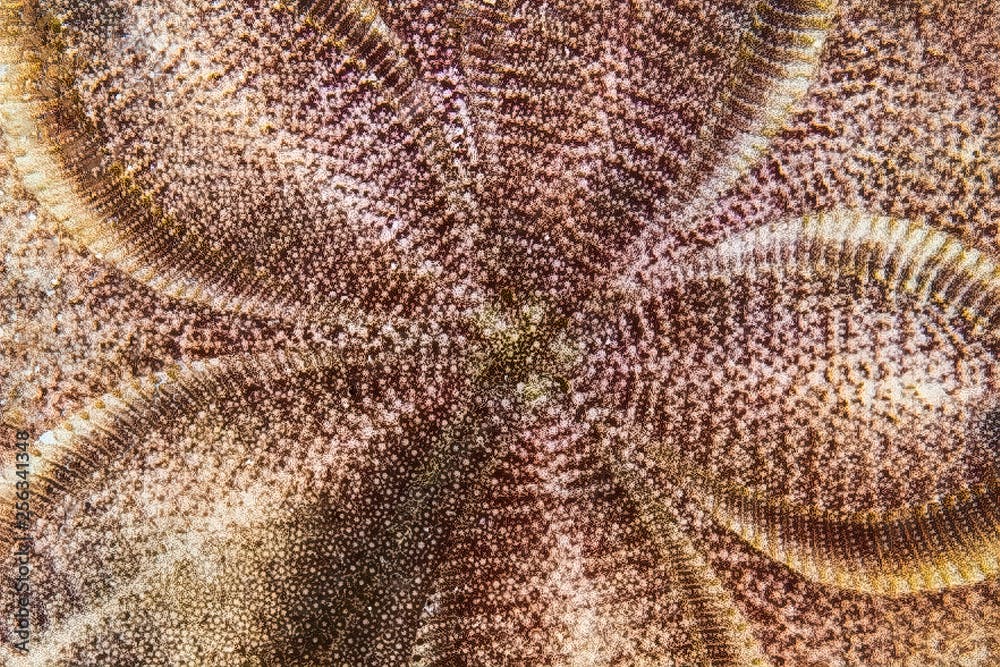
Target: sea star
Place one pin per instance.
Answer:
(488, 332)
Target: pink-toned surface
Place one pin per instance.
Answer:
(508, 387)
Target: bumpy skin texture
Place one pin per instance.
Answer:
(497, 332)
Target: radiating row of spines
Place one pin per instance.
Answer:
(947, 542)
(728, 639)
(364, 33)
(84, 196)
(483, 22)
(58, 151)
(142, 239)
(907, 257)
(109, 425)
(952, 540)
(359, 24)
(778, 58)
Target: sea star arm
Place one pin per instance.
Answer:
(300, 532)
(779, 55)
(613, 136)
(856, 394)
(552, 563)
(362, 27)
(949, 542)
(247, 180)
(937, 544)
(108, 427)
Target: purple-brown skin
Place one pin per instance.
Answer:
(504, 333)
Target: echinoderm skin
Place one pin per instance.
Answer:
(487, 332)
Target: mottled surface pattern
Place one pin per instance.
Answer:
(488, 332)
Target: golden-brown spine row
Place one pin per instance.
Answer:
(779, 55)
